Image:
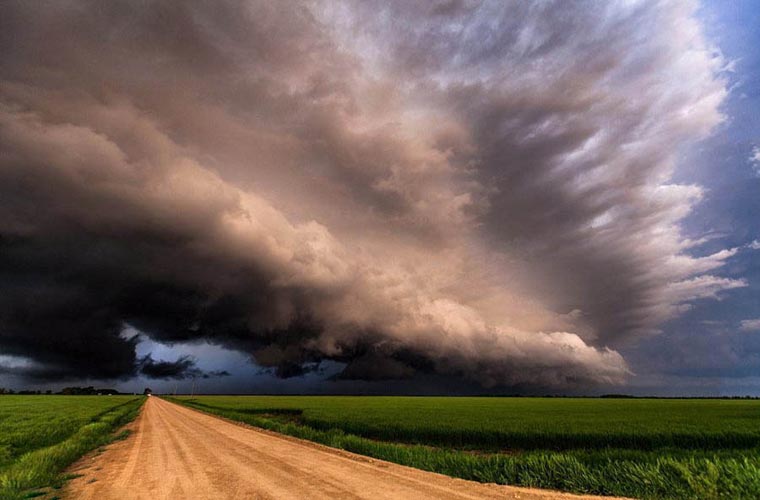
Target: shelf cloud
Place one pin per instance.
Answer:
(459, 188)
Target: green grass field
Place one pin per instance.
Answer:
(41, 435)
(643, 448)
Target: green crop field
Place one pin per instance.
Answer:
(41, 435)
(646, 448)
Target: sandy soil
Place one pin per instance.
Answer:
(178, 453)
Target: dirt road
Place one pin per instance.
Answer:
(178, 453)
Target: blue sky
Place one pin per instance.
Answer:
(704, 351)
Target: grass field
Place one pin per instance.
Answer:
(643, 448)
(41, 435)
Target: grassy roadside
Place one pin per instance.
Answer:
(42, 467)
(668, 473)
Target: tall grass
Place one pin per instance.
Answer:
(492, 424)
(32, 468)
(607, 467)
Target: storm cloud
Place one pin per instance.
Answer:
(479, 190)
(182, 368)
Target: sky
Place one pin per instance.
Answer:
(446, 197)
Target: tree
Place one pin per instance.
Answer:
(147, 391)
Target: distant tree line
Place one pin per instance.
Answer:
(66, 391)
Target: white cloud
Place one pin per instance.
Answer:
(750, 325)
(754, 159)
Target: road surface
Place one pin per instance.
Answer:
(178, 453)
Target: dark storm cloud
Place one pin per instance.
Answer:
(183, 367)
(458, 189)
(575, 115)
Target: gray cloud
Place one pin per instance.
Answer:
(465, 189)
(183, 367)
